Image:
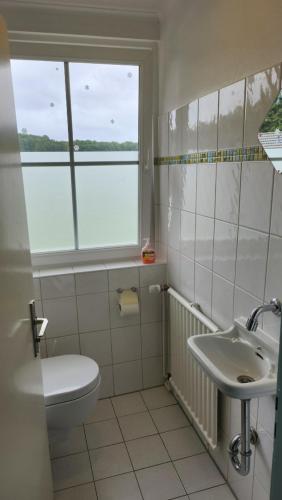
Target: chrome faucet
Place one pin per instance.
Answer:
(252, 322)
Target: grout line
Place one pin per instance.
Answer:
(128, 454)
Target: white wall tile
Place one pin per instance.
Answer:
(97, 345)
(175, 132)
(152, 372)
(62, 316)
(203, 288)
(244, 303)
(174, 228)
(261, 90)
(187, 278)
(126, 344)
(251, 261)
(93, 312)
(151, 334)
(190, 128)
(231, 115)
(263, 461)
(173, 267)
(150, 306)
(124, 278)
(188, 187)
(276, 216)
(222, 302)
(206, 176)
(207, 124)
(187, 234)
(91, 282)
(57, 286)
(259, 492)
(116, 319)
(152, 274)
(107, 382)
(63, 345)
(271, 323)
(204, 241)
(175, 185)
(256, 193)
(163, 183)
(266, 414)
(225, 245)
(127, 377)
(163, 135)
(36, 288)
(228, 191)
(163, 224)
(274, 269)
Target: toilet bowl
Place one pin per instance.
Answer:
(71, 385)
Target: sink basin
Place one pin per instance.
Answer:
(242, 364)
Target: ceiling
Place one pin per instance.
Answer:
(138, 6)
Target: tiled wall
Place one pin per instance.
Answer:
(220, 226)
(81, 305)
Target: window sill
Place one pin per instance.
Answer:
(83, 267)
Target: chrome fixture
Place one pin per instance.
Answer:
(274, 306)
(241, 443)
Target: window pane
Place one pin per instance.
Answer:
(39, 89)
(104, 111)
(107, 204)
(49, 208)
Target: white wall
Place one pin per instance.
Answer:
(206, 44)
(84, 22)
(220, 227)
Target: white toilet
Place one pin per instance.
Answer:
(71, 385)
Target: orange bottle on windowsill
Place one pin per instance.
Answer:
(148, 254)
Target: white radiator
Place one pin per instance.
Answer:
(194, 389)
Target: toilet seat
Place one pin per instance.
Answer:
(68, 377)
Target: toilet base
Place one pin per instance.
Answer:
(74, 412)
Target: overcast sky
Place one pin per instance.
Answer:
(104, 100)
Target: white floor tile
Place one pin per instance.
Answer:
(147, 451)
(137, 425)
(71, 471)
(110, 461)
(160, 483)
(103, 434)
(169, 418)
(157, 397)
(127, 404)
(102, 411)
(83, 492)
(66, 441)
(182, 443)
(218, 493)
(198, 473)
(124, 487)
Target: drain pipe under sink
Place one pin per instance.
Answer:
(241, 443)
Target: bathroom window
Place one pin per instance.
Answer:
(78, 126)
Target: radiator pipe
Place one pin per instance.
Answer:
(161, 289)
(241, 443)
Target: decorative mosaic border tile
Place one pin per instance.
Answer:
(251, 153)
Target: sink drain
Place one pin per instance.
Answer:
(245, 379)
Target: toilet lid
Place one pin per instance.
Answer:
(68, 377)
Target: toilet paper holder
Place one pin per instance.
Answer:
(132, 288)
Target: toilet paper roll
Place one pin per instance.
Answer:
(128, 303)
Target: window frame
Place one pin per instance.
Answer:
(104, 51)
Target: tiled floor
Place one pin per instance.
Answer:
(139, 446)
